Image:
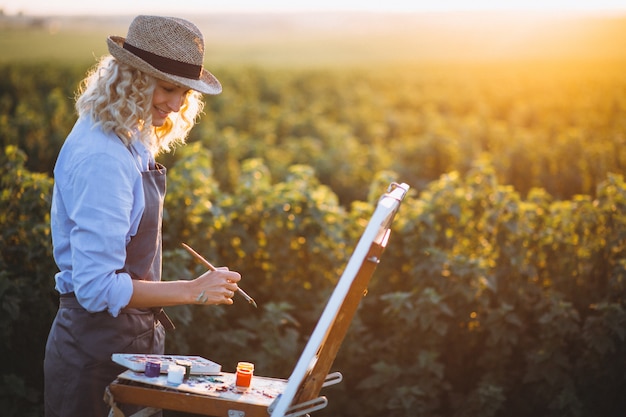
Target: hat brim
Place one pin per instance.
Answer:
(206, 83)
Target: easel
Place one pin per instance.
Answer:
(310, 375)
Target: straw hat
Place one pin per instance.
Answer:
(167, 48)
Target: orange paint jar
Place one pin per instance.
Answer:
(244, 375)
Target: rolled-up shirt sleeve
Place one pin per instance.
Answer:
(102, 199)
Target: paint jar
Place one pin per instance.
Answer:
(185, 364)
(153, 369)
(244, 375)
(175, 374)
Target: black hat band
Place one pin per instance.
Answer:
(167, 65)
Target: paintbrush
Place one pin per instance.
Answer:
(212, 268)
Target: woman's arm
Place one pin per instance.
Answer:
(212, 287)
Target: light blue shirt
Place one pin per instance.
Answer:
(97, 204)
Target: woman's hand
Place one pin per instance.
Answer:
(215, 287)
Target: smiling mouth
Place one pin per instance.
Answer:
(162, 113)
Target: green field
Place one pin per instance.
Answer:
(503, 290)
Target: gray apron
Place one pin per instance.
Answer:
(77, 363)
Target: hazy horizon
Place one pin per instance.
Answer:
(338, 38)
(117, 7)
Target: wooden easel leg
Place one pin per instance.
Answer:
(146, 412)
(108, 399)
(116, 412)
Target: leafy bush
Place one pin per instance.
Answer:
(479, 320)
(27, 298)
(501, 292)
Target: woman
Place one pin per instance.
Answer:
(107, 211)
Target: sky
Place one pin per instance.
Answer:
(126, 7)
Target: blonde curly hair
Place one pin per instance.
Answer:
(119, 98)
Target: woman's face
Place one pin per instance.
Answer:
(167, 98)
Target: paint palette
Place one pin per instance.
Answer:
(262, 392)
(137, 362)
